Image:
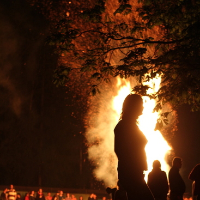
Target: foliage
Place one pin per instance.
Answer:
(178, 62)
(98, 40)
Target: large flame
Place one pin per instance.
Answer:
(157, 147)
(100, 135)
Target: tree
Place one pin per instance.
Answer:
(101, 39)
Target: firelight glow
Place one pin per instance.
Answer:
(100, 134)
(157, 147)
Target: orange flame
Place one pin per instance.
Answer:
(157, 147)
(102, 152)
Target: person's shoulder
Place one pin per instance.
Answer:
(162, 172)
(173, 170)
(150, 174)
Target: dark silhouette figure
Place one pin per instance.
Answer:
(176, 183)
(40, 195)
(32, 195)
(111, 191)
(118, 193)
(157, 182)
(195, 177)
(130, 150)
(4, 194)
(18, 196)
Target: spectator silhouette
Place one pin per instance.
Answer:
(19, 196)
(12, 195)
(120, 194)
(195, 177)
(157, 182)
(91, 197)
(26, 196)
(48, 197)
(130, 150)
(4, 194)
(40, 195)
(55, 196)
(32, 195)
(176, 183)
(60, 196)
(73, 197)
(67, 197)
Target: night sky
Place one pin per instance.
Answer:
(40, 140)
(37, 131)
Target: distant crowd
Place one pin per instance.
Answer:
(11, 194)
(158, 183)
(162, 187)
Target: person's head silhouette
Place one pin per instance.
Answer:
(156, 164)
(177, 162)
(132, 107)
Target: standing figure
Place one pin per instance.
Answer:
(55, 196)
(26, 196)
(129, 147)
(40, 195)
(91, 197)
(81, 198)
(176, 183)
(60, 196)
(73, 197)
(67, 197)
(157, 182)
(12, 195)
(32, 195)
(48, 197)
(19, 196)
(195, 177)
(4, 194)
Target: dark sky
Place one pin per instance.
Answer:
(39, 139)
(186, 142)
(37, 131)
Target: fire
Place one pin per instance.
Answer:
(157, 147)
(100, 135)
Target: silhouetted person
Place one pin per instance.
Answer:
(91, 197)
(12, 195)
(130, 150)
(111, 191)
(32, 195)
(195, 177)
(120, 194)
(4, 194)
(40, 195)
(176, 183)
(157, 182)
(19, 196)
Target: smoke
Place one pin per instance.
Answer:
(101, 140)
(100, 134)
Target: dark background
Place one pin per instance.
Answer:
(40, 140)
